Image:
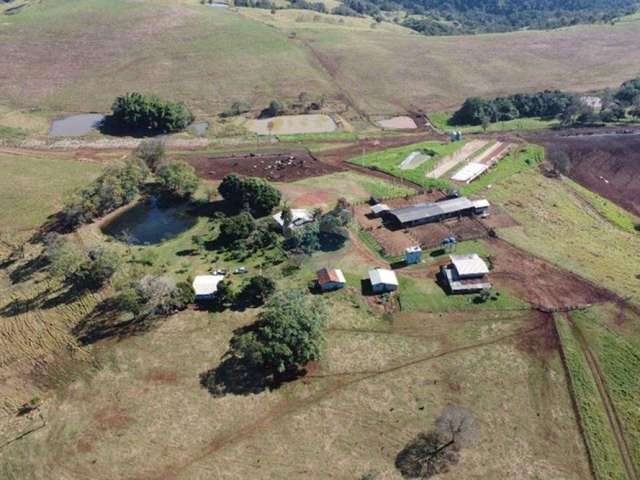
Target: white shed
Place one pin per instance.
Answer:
(383, 280)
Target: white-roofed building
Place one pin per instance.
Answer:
(466, 274)
(383, 280)
(206, 286)
(299, 217)
(470, 172)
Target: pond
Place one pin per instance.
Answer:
(150, 222)
(75, 125)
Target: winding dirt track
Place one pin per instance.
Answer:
(287, 408)
(612, 416)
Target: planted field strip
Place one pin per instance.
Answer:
(493, 154)
(450, 161)
(607, 449)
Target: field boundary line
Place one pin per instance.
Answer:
(612, 416)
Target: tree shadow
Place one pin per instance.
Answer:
(234, 376)
(43, 300)
(27, 269)
(105, 321)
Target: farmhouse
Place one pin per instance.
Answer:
(299, 217)
(206, 286)
(383, 280)
(330, 279)
(466, 274)
(435, 212)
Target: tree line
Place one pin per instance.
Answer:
(568, 107)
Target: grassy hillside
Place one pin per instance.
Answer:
(547, 210)
(61, 53)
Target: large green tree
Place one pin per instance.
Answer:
(289, 333)
(255, 193)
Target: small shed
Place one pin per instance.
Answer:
(330, 279)
(413, 255)
(383, 280)
(299, 217)
(206, 286)
(379, 208)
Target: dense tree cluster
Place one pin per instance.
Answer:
(568, 107)
(253, 193)
(288, 335)
(117, 186)
(629, 93)
(148, 114)
(547, 104)
(153, 296)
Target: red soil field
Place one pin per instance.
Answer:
(604, 162)
(275, 166)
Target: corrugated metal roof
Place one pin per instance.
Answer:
(334, 275)
(429, 210)
(382, 275)
(469, 172)
(470, 264)
(299, 216)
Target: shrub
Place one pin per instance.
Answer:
(178, 179)
(148, 114)
(151, 152)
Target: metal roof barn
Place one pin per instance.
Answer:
(205, 286)
(426, 211)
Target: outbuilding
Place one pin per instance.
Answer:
(466, 274)
(206, 286)
(299, 217)
(330, 279)
(413, 255)
(434, 212)
(383, 280)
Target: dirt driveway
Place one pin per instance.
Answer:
(540, 282)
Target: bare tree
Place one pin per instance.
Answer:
(434, 452)
(456, 425)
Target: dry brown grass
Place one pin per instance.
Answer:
(57, 56)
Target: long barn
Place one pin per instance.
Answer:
(435, 212)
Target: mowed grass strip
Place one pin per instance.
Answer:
(602, 447)
(32, 188)
(389, 161)
(620, 363)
